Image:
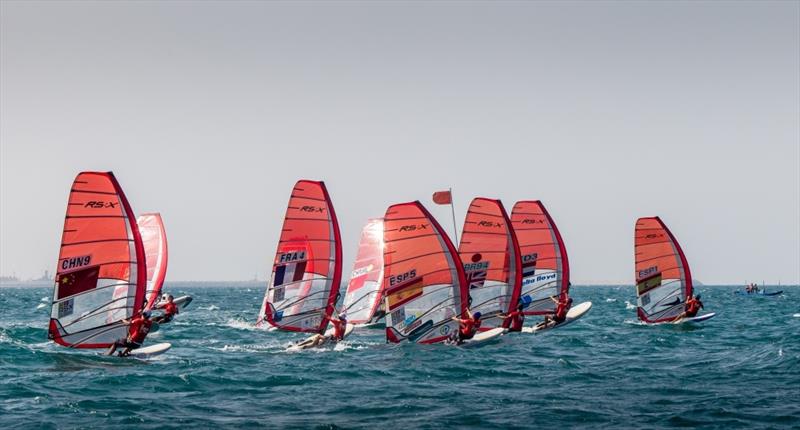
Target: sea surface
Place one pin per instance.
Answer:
(740, 369)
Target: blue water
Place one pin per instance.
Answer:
(738, 370)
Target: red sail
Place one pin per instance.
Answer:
(154, 238)
(307, 268)
(364, 291)
(491, 258)
(663, 279)
(424, 283)
(102, 274)
(545, 266)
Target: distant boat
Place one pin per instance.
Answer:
(762, 293)
(663, 278)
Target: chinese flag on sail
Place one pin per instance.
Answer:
(442, 198)
(76, 282)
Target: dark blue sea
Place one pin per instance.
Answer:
(740, 369)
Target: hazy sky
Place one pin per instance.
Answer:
(209, 112)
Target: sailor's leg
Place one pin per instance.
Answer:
(112, 349)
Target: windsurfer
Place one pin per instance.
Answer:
(693, 305)
(170, 310)
(137, 332)
(517, 318)
(339, 326)
(562, 306)
(467, 327)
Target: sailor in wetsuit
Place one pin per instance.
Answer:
(339, 330)
(339, 327)
(466, 328)
(561, 310)
(137, 332)
(517, 318)
(693, 306)
(170, 310)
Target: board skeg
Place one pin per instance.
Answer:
(696, 319)
(574, 314)
(150, 351)
(484, 337)
(307, 343)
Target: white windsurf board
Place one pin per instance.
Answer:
(574, 313)
(150, 351)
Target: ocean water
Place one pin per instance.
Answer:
(740, 369)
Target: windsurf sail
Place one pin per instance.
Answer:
(490, 256)
(101, 275)
(663, 280)
(545, 266)
(364, 293)
(424, 283)
(154, 238)
(307, 268)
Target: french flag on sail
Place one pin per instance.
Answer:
(289, 273)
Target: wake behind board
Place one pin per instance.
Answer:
(150, 351)
(574, 313)
(483, 337)
(696, 319)
(309, 342)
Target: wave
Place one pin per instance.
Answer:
(241, 325)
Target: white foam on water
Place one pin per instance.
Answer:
(209, 308)
(241, 325)
(245, 348)
(41, 305)
(611, 300)
(45, 299)
(796, 315)
(629, 305)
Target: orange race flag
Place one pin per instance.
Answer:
(446, 198)
(443, 198)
